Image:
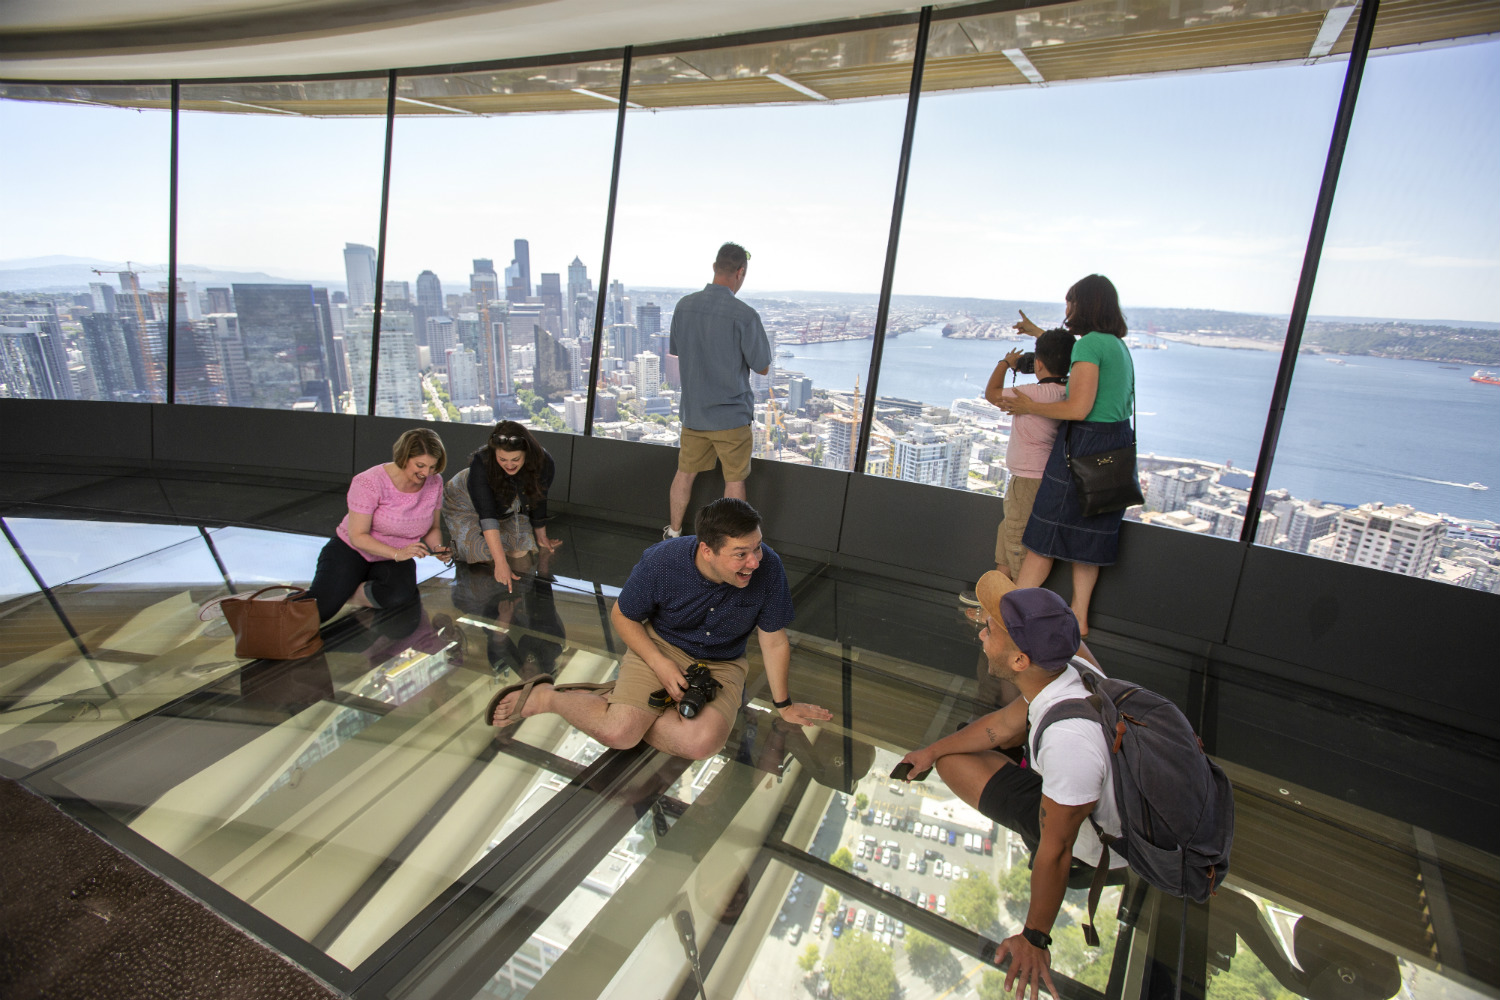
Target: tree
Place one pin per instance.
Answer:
(860, 801)
(842, 859)
(831, 900)
(808, 960)
(932, 960)
(921, 949)
(975, 902)
(1015, 889)
(859, 969)
(992, 986)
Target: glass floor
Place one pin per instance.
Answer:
(354, 811)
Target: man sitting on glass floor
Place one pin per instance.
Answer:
(690, 602)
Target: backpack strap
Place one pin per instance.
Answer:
(1083, 708)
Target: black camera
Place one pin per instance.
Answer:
(1026, 363)
(701, 688)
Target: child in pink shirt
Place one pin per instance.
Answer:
(1031, 439)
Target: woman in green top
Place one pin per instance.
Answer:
(1101, 383)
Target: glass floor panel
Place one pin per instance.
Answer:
(354, 810)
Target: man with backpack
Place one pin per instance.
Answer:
(1031, 638)
(1081, 788)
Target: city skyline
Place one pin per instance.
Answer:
(1408, 239)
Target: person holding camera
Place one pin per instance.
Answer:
(1098, 407)
(1031, 436)
(685, 613)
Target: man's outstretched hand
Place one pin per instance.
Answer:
(804, 714)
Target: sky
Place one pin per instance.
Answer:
(1187, 190)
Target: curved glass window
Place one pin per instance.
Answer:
(278, 214)
(83, 298)
(499, 186)
(802, 181)
(1388, 456)
(1192, 193)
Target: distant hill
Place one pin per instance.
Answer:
(57, 274)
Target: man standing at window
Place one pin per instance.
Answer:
(718, 341)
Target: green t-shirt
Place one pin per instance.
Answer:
(1116, 375)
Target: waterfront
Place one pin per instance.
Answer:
(1370, 429)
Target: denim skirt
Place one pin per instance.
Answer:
(1058, 529)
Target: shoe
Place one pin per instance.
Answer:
(667, 534)
(599, 689)
(970, 598)
(209, 610)
(515, 715)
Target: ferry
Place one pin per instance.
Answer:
(1336, 361)
(1487, 377)
(1478, 486)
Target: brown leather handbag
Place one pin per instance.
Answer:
(274, 628)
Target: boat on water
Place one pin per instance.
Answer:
(1478, 486)
(1336, 361)
(1487, 377)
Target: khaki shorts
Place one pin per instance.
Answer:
(1020, 497)
(700, 450)
(637, 682)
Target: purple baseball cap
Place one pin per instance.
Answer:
(1039, 622)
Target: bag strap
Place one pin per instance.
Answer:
(274, 586)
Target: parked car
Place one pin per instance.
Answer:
(947, 870)
(931, 902)
(817, 924)
(988, 846)
(942, 906)
(911, 861)
(860, 866)
(794, 934)
(838, 930)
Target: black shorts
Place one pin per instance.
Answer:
(1013, 798)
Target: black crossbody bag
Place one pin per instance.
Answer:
(1107, 481)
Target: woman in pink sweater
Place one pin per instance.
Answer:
(393, 519)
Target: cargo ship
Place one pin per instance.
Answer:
(1488, 378)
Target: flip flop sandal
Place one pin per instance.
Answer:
(604, 688)
(515, 715)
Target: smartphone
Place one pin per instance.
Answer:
(903, 773)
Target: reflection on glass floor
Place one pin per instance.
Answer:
(354, 810)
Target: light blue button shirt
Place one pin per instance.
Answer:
(719, 341)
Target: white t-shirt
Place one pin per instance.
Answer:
(1073, 762)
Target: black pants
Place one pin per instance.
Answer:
(341, 570)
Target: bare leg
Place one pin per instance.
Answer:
(1084, 578)
(694, 739)
(736, 490)
(617, 726)
(1034, 570)
(682, 489)
(966, 774)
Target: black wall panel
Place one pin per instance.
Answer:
(117, 434)
(944, 532)
(1416, 641)
(278, 443)
(625, 478)
(560, 447)
(1172, 580)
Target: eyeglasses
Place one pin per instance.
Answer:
(510, 437)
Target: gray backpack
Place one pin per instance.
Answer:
(1176, 805)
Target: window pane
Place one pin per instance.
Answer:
(805, 186)
(1388, 457)
(278, 216)
(1192, 193)
(466, 335)
(83, 287)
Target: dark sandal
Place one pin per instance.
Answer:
(604, 688)
(525, 687)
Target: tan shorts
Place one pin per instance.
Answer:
(700, 450)
(1020, 497)
(637, 682)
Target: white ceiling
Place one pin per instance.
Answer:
(185, 39)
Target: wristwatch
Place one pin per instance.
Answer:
(1040, 939)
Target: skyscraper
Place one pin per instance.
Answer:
(108, 339)
(523, 267)
(549, 290)
(429, 293)
(648, 318)
(463, 376)
(645, 369)
(103, 296)
(484, 282)
(614, 310)
(1398, 539)
(359, 273)
(37, 337)
(287, 333)
(579, 284)
(922, 455)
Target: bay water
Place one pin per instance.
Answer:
(1369, 429)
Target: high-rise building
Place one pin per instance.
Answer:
(109, 345)
(37, 352)
(575, 407)
(549, 290)
(1173, 489)
(648, 318)
(441, 337)
(219, 300)
(923, 455)
(287, 332)
(624, 341)
(614, 309)
(645, 370)
(552, 377)
(1398, 539)
(430, 292)
(1310, 521)
(397, 294)
(843, 438)
(103, 296)
(463, 376)
(484, 283)
(578, 284)
(799, 390)
(200, 365)
(359, 273)
(399, 387)
(522, 264)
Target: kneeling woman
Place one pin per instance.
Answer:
(497, 507)
(392, 520)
